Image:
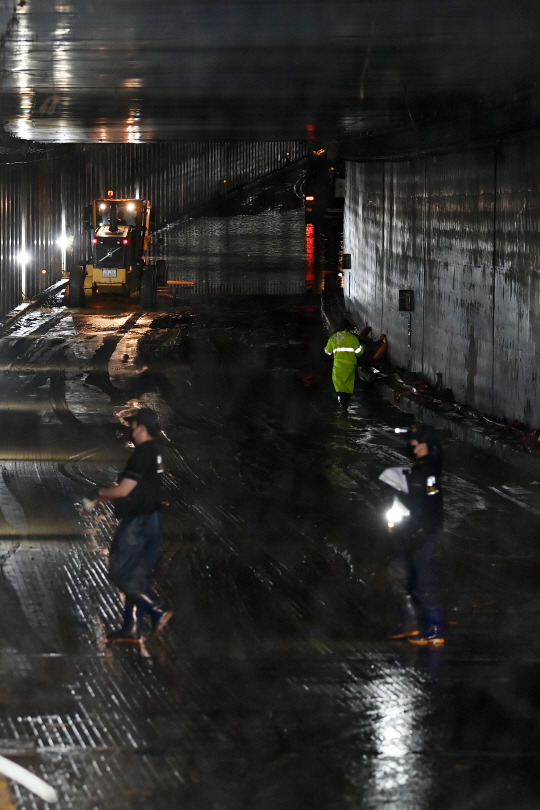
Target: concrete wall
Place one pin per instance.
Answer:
(461, 231)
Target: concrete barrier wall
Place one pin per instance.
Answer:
(517, 281)
(460, 231)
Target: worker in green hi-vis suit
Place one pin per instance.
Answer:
(346, 349)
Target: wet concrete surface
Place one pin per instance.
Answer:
(275, 684)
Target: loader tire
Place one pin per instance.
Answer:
(75, 296)
(148, 294)
(162, 272)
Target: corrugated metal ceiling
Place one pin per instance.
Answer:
(372, 76)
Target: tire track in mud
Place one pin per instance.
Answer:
(25, 509)
(27, 352)
(59, 361)
(50, 360)
(98, 375)
(29, 329)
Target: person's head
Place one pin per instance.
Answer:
(144, 425)
(419, 449)
(423, 440)
(346, 326)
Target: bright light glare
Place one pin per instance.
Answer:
(130, 206)
(23, 256)
(397, 512)
(63, 242)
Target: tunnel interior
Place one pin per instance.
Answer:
(276, 682)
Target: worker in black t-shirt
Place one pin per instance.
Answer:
(137, 540)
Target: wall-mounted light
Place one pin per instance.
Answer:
(64, 242)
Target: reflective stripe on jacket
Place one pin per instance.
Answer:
(344, 342)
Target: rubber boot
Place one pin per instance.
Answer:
(433, 633)
(408, 621)
(130, 632)
(159, 614)
(344, 400)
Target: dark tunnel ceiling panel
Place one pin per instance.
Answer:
(364, 74)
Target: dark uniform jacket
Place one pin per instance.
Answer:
(424, 499)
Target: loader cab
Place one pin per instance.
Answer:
(120, 233)
(118, 212)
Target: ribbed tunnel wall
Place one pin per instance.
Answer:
(38, 193)
(462, 232)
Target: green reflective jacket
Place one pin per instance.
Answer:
(346, 349)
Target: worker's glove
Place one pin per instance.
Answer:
(88, 505)
(90, 501)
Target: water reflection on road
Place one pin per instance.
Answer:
(275, 684)
(271, 254)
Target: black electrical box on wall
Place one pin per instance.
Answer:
(346, 261)
(406, 300)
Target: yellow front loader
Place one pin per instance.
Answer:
(118, 254)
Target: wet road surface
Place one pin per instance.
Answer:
(275, 685)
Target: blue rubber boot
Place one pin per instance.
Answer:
(408, 621)
(130, 632)
(159, 614)
(433, 634)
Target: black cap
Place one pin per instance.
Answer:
(345, 325)
(146, 417)
(423, 433)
